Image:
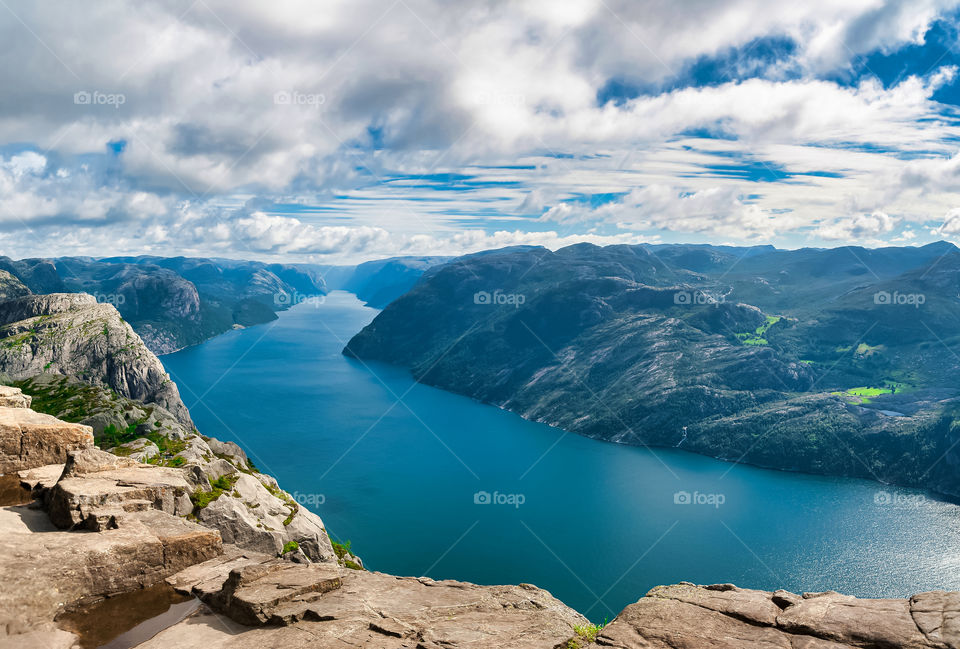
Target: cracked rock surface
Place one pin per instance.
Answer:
(685, 616)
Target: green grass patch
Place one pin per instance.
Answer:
(290, 546)
(863, 349)
(221, 485)
(757, 336)
(862, 395)
(342, 550)
(65, 399)
(586, 632)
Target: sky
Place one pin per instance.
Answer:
(336, 132)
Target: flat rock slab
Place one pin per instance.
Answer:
(207, 578)
(268, 592)
(377, 611)
(685, 616)
(43, 569)
(41, 478)
(31, 439)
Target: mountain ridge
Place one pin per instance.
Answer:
(774, 358)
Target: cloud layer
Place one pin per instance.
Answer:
(363, 129)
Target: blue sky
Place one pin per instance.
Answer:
(368, 129)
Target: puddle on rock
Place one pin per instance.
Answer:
(127, 620)
(12, 492)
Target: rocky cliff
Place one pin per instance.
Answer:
(72, 334)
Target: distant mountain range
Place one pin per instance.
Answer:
(840, 361)
(174, 302)
(179, 301)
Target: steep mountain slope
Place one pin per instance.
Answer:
(817, 372)
(74, 335)
(11, 287)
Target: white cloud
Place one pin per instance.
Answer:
(951, 223)
(859, 228)
(715, 210)
(423, 87)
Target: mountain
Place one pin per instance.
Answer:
(834, 361)
(175, 302)
(11, 287)
(74, 335)
(380, 282)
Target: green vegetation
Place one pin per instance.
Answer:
(864, 394)
(291, 504)
(586, 632)
(757, 336)
(68, 400)
(111, 438)
(221, 485)
(290, 546)
(341, 549)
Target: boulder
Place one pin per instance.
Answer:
(196, 452)
(229, 450)
(139, 449)
(31, 439)
(263, 519)
(95, 482)
(11, 397)
(93, 460)
(201, 476)
(275, 591)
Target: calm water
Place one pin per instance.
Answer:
(598, 525)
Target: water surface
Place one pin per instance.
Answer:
(401, 469)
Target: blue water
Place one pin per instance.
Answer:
(394, 466)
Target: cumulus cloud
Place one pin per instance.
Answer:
(860, 228)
